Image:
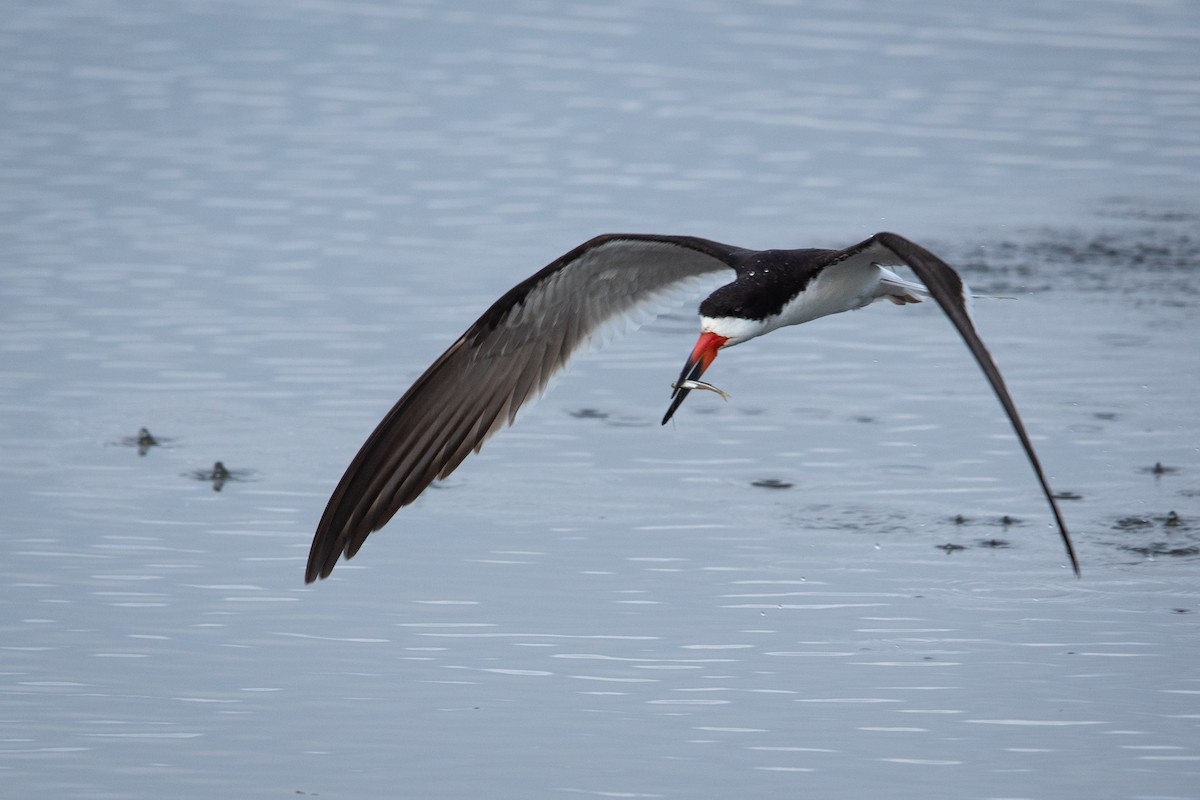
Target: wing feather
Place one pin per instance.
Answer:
(502, 361)
(952, 294)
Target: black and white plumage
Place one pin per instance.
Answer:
(507, 357)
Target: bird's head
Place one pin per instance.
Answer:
(715, 333)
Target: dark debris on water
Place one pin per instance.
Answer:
(996, 544)
(1182, 543)
(1098, 260)
(588, 413)
(143, 441)
(771, 483)
(1169, 520)
(218, 475)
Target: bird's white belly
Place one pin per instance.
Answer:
(843, 288)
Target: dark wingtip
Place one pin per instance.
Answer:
(1066, 537)
(324, 554)
(317, 569)
(949, 290)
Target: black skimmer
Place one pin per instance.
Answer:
(507, 357)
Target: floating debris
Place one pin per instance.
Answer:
(1170, 520)
(949, 547)
(219, 475)
(771, 483)
(1067, 496)
(588, 413)
(997, 544)
(1155, 549)
(1181, 532)
(143, 441)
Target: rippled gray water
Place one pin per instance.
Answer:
(247, 226)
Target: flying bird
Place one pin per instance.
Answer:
(507, 357)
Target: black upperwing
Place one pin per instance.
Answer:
(948, 289)
(502, 361)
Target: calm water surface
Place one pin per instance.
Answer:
(248, 226)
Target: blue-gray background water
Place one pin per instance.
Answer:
(247, 226)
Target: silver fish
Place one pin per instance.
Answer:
(692, 384)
